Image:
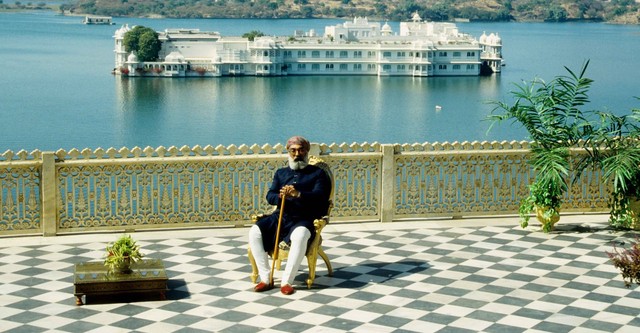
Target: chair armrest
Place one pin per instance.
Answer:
(257, 217)
(320, 223)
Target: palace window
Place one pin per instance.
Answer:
(357, 54)
(302, 67)
(401, 55)
(471, 67)
(315, 54)
(471, 54)
(328, 67)
(456, 54)
(442, 67)
(371, 67)
(386, 54)
(302, 54)
(315, 67)
(343, 67)
(357, 67)
(401, 68)
(287, 54)
(371, 54)
(456, 67)
(328, 54)
(344, 54)
(386, 67)
(442, 54)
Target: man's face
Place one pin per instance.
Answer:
(297, 153)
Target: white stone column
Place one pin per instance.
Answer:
(387, 205)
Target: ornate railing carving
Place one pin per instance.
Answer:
(20, 201)
(179, 187)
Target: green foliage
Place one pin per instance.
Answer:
(251, 35)
(149, 46)
(547, 198)
(144, 42)
(556, 14)
(124, 248)
(627, 261)
(551, 113)
(524, 10)
(614, 147)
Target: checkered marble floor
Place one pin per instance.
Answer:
(484, 275)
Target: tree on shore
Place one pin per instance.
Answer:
(144, 42)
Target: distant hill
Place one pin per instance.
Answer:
(615, 11)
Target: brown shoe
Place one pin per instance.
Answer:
(287, 289)
(260, 287)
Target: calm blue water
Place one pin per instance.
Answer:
(56, 89)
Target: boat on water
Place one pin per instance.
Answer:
(92, 19)
(358, 47)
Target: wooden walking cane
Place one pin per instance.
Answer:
(275, 248)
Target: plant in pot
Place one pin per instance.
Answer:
(550, 113)
(627, 260)
(614, 147)
(121, 254)
(545, 194)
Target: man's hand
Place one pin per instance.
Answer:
(289, 191)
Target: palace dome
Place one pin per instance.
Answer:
(123, 30)
(174, 56)
(483, 38)
(132, 57)
(494, 39)
(386, 29)
(497, 39)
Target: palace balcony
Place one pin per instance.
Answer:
(63, 192)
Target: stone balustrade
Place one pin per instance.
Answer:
(61, 192)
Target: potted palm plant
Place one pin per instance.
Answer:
(614, 147)
(121, 254)
(551, 114)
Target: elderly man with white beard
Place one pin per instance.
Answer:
(306, 189)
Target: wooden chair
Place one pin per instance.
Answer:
(315, 247)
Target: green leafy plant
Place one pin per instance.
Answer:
(144, 42)
(614, 147)
(551, 113)
(251, 35)
(121, 254)
(545, 200)
(627, 260)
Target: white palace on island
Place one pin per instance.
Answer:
(355, 47)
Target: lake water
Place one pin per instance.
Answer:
(56, 89)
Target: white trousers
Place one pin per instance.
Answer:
(299, 238)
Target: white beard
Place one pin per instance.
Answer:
(298, 165)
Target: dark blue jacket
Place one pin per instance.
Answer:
(314, 186)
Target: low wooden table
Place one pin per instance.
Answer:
(93, 279)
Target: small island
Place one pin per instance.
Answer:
(355, 48)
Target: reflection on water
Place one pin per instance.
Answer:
(328, 109)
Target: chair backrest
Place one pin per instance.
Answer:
(314, 160)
